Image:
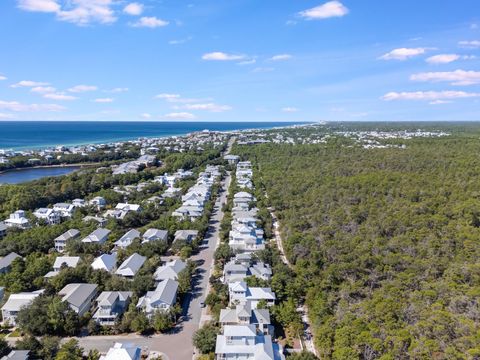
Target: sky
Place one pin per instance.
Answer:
(241, 60)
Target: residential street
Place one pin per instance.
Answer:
(177, 345)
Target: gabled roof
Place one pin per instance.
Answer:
(6, 261)
(105, 262)
(70, 261)
(77, 293)
(16, 301)
(108, 298)
(121, 351)
(97, 236)
(67, 235)
(153, 234)
(131, 265)
(170, 270)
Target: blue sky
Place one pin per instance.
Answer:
(242, 60)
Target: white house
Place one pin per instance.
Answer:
(68, 261)
(161, 299)
(170, 270)
(121, 351)
(50, 216)
(15, 303)
(105, 262)
(240, 293)
(154, 235)
(64, 209)
(18, 220)
(98, 202)
(127, 239)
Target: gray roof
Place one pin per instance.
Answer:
(97, 235)
(6, 261)
(185, 234)
(76, 294)
(131, 265)
(17, 355)
(67, 235)
(110, 297)
(166, 292)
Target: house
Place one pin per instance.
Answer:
(161, 299)
(127, 239)
(98, 236)
(105, 262)
(243, 314)
(98, 219)
(154, 235)
(18, 220)
(15, 303)
(242, 342)
(169, 270)
(245, 238)
(3, 229)
(242, 200)
(131, 265)
(6, 262)
(17, 355)
(122, 209)
(185, 235)
(60, 261)
(61, 241)
(240, 293)
(111, 304)
(98, 202)
(79, 203)
(50, 216)
(232, 159)
(64, 209)
(79, 296)
(123, 352)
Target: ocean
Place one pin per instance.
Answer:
(22, 135)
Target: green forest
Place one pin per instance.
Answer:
(386, 241)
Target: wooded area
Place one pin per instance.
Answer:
(386, 241)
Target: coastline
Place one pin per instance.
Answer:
(79, 165)
(125, 138)
(34, 148)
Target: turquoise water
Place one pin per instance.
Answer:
(29, 174)
(20, 135)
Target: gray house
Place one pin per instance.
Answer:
(79, 296)
(61, 241)
(161, 299)
(131, 265)
(186, 235)
(154, 235)
(111, 304)
(6, 262)
(98, 236)
(127, 239)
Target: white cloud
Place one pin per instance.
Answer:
(3, 77)
(149, 22)
(289, 109)
(84, 12)
(19, 107)
(59, 97)
(439, 102)
(119, 90)
(457, 77)
(221, 56)
(28, 83)
(146, 116)
(49, 6)
(281, 57)
(473, 44)
(327, 10)
(82, 88)
(180, 116)
(180, 41)
(43, 89)
(168, 97)
(442, 58)
(103, 100)
(247, 62)
(4, 116)
(428, 95)
(403, 53)
(134, 9)
(208, 107)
